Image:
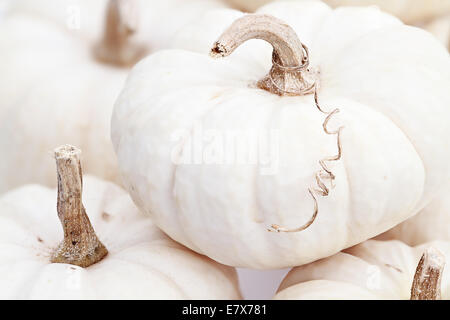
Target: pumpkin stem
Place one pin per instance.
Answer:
(427, 279)
(289, 74)
(80, 246)
(116, 46)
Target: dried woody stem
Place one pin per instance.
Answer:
(80, 246)
(427, 279)
(290, 75)
(116, 46)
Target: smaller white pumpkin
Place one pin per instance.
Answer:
(142, 262)
(373, 270)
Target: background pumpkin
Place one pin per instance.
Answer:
(371, 270)
(440, 27)
(142, 262)
(54, 89)
(155, 20)
(410, 11)
(222, 210)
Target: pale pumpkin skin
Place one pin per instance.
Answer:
(394, 154)
(142, 262)
(54, 90)
(409, 11)
(431, 223)
(371, 270)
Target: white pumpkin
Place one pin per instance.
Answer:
(58, 85)
(373, 270)
(177, 106)
(142, 262)
(408, 10)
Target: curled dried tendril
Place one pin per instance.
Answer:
(323, 174)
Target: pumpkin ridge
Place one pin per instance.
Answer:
(199, 119)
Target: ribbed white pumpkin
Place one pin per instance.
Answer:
(55, 90)
(393, 101)
(142, 262)
(371, 270)
(408, 10)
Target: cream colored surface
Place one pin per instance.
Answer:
(394, 151)
(142, 262)
(432, 223)
(371, 270)
(408, 10)
(52, 89)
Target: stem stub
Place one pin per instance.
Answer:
(116, 47)
(427, 279)
(80, 246)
